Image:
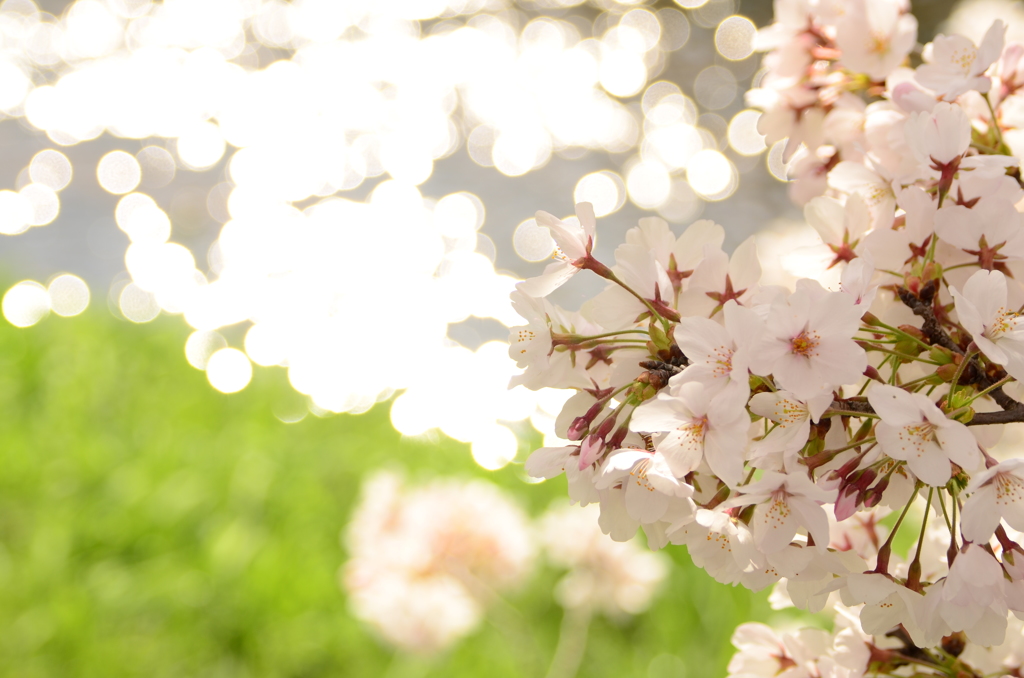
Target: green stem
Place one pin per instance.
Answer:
(1001, 382)
(572, 644)
(995, 124)
(956, 377)
(886, 548)
(945, 514)
(902, 356)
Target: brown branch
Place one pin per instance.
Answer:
(922, 306)
(856, 408)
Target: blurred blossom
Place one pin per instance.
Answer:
(426, 561)
(614, 578)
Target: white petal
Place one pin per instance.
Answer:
(980, 517)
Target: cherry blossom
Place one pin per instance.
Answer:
(955, 65)
(719, 354)
(697, 428)
(997, 493)
(574, 243)
(914, 430)
(648, 482)
(998, 332)
(809, 345)
(784, 503)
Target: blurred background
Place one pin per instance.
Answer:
(253, 253)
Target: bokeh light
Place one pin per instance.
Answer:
(69, 295)
(743, 135)
(649, 184)
(16, 213)
(50, 168)
(734, 38)
(715, 87)
(138, 305)
(604, 189)
(118, 172)
(201, 145)
(202, 344)
(157, 165)
(228, 370)
(44, 205)
(266, 184)
(26, 303)
(533, 242)
(709, 173)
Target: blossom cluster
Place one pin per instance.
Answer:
(788, 435)
(427, 562)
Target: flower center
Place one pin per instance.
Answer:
(1005, 321)
(917, 435)
(964, 58)
(1009, 489)
(805, 344)
(640, 473)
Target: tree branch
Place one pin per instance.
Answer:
(921, 305)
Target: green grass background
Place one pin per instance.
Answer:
(150, 526)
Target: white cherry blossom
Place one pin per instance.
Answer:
(792, 416)
(954, 65)
(648, 482)
(995, 493)
(574, 241)
(718, 354)
(998, 332)
(783, 504)
(914, 430)
(697, 428)
(939, 137)
(809, 345)
(875, 36)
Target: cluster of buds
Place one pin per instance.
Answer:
(769, 429)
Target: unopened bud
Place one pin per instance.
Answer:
(578, 428)
(658, 336)
(615, 442)
(606, 427)
(947, 372)
(871, 373)
(932, 271)
(908, 347)
(846, 504)
(590, 450)
(914, 332)
(941, 355)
